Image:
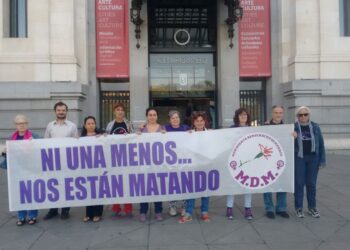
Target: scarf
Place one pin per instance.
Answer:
(300, 141)
(27, 135)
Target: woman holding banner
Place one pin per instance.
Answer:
(176, 126)
(93, 213)
(309, 158)
(23, 133)
(241, 119)
(199, 124)
(152, 126)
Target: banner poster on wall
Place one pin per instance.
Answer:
(254, 39)
(112, 39)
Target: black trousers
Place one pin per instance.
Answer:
(92, 211)
(55, 210)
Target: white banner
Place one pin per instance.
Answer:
(67, 172)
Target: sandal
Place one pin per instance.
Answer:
(32, 221)
(86, 219)
(97, 218)
(20, 222)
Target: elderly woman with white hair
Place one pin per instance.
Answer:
(309, 157)
(23, 133)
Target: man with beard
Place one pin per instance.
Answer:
(60, 128)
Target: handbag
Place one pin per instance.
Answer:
(3, 161)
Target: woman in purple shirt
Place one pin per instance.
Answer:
(176, 126)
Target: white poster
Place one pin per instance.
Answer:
(68, 172)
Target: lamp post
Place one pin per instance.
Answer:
(135, 18)
(235, 13)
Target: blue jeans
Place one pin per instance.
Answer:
(191, 203)
(22, 215)
(306, 170)
(158, 207)
(281, 202)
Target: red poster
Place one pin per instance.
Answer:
(254, 39)
(112, 39)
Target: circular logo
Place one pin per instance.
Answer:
(257, 161)
(182, 37)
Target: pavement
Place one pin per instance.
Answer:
(331, 231)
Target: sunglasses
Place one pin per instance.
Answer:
(300, 115)
(198, 113)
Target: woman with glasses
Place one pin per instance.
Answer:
(241, 119)
(176, 126)
(309, 157)
(199, 124)
(23, 133)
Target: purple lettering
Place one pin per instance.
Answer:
(92, 180)
(86, 157)
(132, 154)
(268, 177)
(200, 181)
(186, 182)
(213, 180)
(157, 153)
(241, 177)
(137, 184)
(47, 160)
(81, 194)
(117, 186)
(162, 177)
(254, 181)
(51, 186)
(99, 157)
(25, 189)
(104, 190)
(174, 185)
(68, 188)
(152, 187)
(72, 158)
(144, 154)
(119, 155)
(39, 190)
(172, 157)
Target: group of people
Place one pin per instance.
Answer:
(309, 158)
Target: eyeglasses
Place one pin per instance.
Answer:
(198, 113)
(305, 114)
(21, 123)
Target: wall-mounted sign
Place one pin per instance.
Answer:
(254, 39)
(112, 39)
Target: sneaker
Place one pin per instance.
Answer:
(248, 213)
(172, 211)
(229, 213)
(50, 215)
(205, 218)
(116, 215)
(299, 213)
(283, 214)
(270, 214)
(185, 219)
(314, 212)
(159, 217)
(142, 218)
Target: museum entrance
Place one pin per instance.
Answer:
(182, 59)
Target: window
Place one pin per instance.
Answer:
(344, 14)
(15, 18)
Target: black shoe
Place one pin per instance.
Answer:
(283, 214)
(65, 215)
(270, 215)
(50, 215)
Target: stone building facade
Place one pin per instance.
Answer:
(54, 58)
